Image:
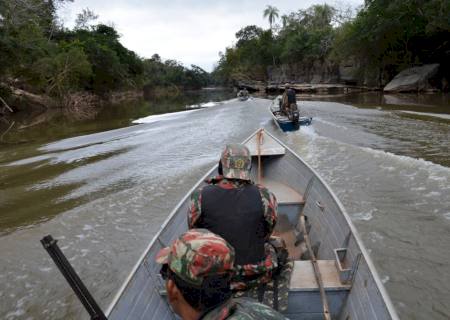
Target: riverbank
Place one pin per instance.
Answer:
(430, 78)
(34, 109)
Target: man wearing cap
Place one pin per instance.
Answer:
(197, 268)
(241, 212)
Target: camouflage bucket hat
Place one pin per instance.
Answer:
(236, 162)
(197, 254)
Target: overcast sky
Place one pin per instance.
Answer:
(189, 31)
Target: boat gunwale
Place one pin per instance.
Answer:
(389, 305)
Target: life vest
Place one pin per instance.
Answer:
(237, 215)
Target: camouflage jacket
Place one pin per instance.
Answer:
(263, 268)
(242, 309)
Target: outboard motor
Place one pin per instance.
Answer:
(295, 117)
(294, 114)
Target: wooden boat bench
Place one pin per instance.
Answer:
(304, 295)
(289, 200)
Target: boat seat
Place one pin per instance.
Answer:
(304, 295)
(303, 278)
(283, 193)
(269, 146)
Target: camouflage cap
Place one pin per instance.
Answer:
(197, 254)
(236, 162)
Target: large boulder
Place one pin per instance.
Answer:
(413, 79)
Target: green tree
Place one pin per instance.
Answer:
(85, 18)
(388, 36)
(271, 13)
(64, 72)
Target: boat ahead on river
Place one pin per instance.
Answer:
(291, 122)
(338, 281)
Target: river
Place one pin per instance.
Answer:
(104, 186)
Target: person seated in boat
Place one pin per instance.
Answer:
(243, 94)
(242, 212)
(197, 268)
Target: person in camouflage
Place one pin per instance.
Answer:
(197, 268)
(242, 212)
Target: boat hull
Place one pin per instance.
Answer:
(284, 123)
(364, 298)
(291, 125)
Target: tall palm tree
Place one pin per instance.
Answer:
(271, 13)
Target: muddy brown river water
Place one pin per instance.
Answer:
(104, 186)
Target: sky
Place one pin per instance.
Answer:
(189, 31)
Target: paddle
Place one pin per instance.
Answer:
(317, 274)
(72, 278)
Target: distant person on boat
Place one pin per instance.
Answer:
(197, 268)
(243, 94)
(242, 212)
(289, 100)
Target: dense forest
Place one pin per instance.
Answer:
(41, 56)
(381, 38)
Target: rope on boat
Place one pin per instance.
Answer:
(259, 142)
(317, 274)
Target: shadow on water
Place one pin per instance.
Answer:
(30, 169)
(49, 125)
(34, 184)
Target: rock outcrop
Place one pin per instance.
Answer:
(316, 72)
(413, 79)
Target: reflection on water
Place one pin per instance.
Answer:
(42, 126)
(105, 194)
(25, 199)
(436, 102)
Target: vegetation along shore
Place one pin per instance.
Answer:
(320, 49)
(45, 64)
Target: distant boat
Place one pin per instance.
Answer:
(343, 271)
(243, 95)
(285, 122)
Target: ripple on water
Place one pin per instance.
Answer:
(363, 216)
(375, 236)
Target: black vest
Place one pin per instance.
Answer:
(291, 96)
(236, 215)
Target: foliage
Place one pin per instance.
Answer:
(85, 18)
(306, 35)
(172, 73)
(384, 37)
(64, 71)
(271, 13)
(393, 35)
(40, 55)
